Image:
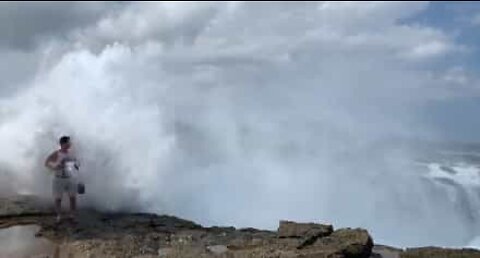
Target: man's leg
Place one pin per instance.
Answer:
(58, 205)
(57, 195)
(73, 204)
(72, 193)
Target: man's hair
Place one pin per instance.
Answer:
(64, 139)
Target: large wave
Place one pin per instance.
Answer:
(241, 114)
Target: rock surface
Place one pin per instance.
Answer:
(141, 235)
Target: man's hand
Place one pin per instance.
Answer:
(52, 166)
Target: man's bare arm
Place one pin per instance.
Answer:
(50, 159)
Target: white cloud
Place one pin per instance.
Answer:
(457, 75)
(429, 49)
(141, 22)
(285, 22)
(476, 19)
(24, 24)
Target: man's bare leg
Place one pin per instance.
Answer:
(73, 206)
(58, 207)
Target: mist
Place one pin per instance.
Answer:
(238, 114)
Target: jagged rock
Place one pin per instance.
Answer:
(347, 243)
(147, 235)
(303, 230)
(217, 249)
(22, 206)
(307, 232)
(164, 252)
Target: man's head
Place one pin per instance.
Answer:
(65, 142)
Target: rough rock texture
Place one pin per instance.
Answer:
(292, 229)
(141, 235)
(308, 233)
(346, 243)
(23, 206)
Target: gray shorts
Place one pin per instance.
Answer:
(64, 185)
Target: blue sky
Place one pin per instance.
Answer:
(456, 118)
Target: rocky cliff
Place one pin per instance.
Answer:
(97, 234)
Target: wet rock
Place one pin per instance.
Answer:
(301, 230)
(23, 206)
(217, 249)
(164, 252)
(346, 243)
(143, 235)
(307, 232)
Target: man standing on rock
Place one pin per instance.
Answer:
(63, 162)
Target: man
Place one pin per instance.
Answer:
(62, 162)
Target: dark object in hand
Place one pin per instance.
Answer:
(80, 188)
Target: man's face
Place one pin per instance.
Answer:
(66, 145)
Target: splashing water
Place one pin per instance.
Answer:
(241, 114)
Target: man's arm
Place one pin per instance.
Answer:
(51, 160)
